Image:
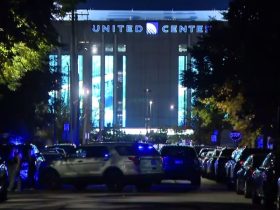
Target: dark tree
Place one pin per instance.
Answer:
(26, 109)
(240, 56)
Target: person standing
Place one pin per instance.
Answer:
(14, 170)
(31, 169)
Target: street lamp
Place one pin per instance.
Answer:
(147, 116)
(150, 114)
(172, 107)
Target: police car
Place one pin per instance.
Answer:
(113, 164)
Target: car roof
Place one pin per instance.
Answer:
(116, 143)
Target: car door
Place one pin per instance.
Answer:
(67, 167)
(94, 161)
(260, 175)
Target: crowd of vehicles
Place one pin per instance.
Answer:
(114, 164)
(251, 172)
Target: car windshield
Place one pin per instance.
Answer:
(69, 149)
(137, 150)
(178, 152)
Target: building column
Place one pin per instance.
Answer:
(102, 88)
(74, 85)
(115, 81)
(189, 91)
(87, 105)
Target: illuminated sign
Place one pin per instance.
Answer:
(152, 28)
(235, 136)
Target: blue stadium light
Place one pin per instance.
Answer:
(16, 140)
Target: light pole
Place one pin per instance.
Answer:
(171, 113)
(147, 115)
(150, 114)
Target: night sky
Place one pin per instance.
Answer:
(155, 4)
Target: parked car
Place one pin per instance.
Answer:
(230, 162)
(203, 163)
(3, 180)
(210, 164)
(219, 165)
(244, 175)
(204, 151)
(181, 163)
(239, 159)
(113, 164)
(264, 185)
(51, 154)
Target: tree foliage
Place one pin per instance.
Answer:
(237, 66)
(27, 36)
(26, 109)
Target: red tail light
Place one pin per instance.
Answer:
(251, 171)
(241, 162)
(135, 160)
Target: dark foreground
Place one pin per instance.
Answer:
(167, 196)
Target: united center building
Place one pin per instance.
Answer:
(129, 65)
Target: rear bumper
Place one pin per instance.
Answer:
(147, 178)
(127, 179)
(182, 175)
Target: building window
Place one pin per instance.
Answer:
(65, 70)
(182, 48)
(96, 88)
(81, 86)
(109, 87)
(109, 48)
(121, 48)
(181, 91)
(124, 93)
(53, 65)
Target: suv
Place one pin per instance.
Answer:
(181, 163)
(113, 164)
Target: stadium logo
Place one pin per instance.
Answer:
(152, 28)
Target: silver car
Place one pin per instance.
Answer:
(113, 164)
